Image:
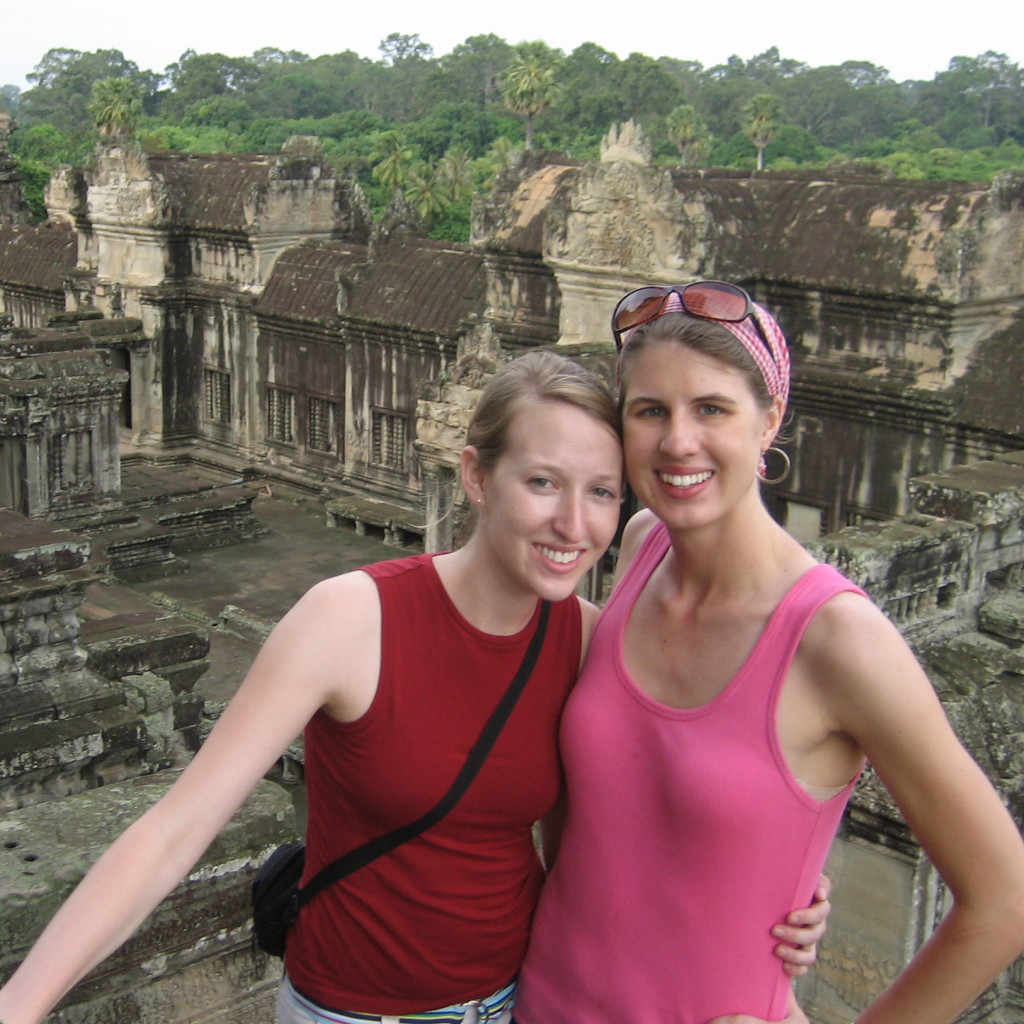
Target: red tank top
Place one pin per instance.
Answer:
(444, 918)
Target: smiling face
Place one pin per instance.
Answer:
(694, 433)
(549, 506)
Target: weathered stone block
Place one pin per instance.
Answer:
(1003, 616)
(862, 953)
(125, 645)
(983, 493)
(68, 755)
(915, 568)
(966, 663)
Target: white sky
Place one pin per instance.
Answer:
(911, 40)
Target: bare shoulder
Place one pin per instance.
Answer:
(324, 653)
(329, 643)
(335, 608)
(851, 633)
(633, 536)
(352, 592)
(855, 658)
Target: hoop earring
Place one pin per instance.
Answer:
(762, 468)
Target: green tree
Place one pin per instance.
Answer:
(231, 112)
(646, 87)
(470, 72)
(397, 48)
(62, 86)
(977, 100)
(38, 150)
(427, 192)
(397, 80)
(844, 105)
(115, 107)
(457, 170)
(687, 131)
(342, 76)
(271, 56)
(294, 93)
(688, 75)
(47, 145)
(768, 68)
(761, 115)
(35, 176)
(530, 83)
(199, 76)
(448, 125)
(591, 98)
(10, 96)
(392, 159)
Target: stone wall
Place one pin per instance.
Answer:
(59, 400)
(34, 263)
(95, 723)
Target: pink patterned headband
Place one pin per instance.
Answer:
(767, 346)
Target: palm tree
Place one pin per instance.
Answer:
(457, 170)
(115, 107)
(529, 83)
(496, 160)
(688, 133)
(427, 192)
(393, 159)
(761, 115)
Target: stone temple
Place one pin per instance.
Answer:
(218, 321)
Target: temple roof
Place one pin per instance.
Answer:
(819, 229)
(514, 221)
(417, 283)
(37, 255)
(990, 390)
(211, 190)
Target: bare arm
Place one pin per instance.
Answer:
(875, 693)
(294, 674)
(883, 700)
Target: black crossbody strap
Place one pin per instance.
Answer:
(362, 855)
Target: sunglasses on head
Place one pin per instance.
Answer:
(708, 300)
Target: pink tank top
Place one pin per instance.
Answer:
(687, 836)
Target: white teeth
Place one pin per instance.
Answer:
(685, 481)
(562, 557)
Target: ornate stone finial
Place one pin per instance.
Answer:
(398, 222)
(626, 142)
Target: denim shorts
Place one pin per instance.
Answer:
(293, 1008)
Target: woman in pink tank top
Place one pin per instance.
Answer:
(732, 693)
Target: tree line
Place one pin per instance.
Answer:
(440, 128)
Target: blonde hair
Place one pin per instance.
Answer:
(538, 376)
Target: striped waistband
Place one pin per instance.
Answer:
(485, 1009)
